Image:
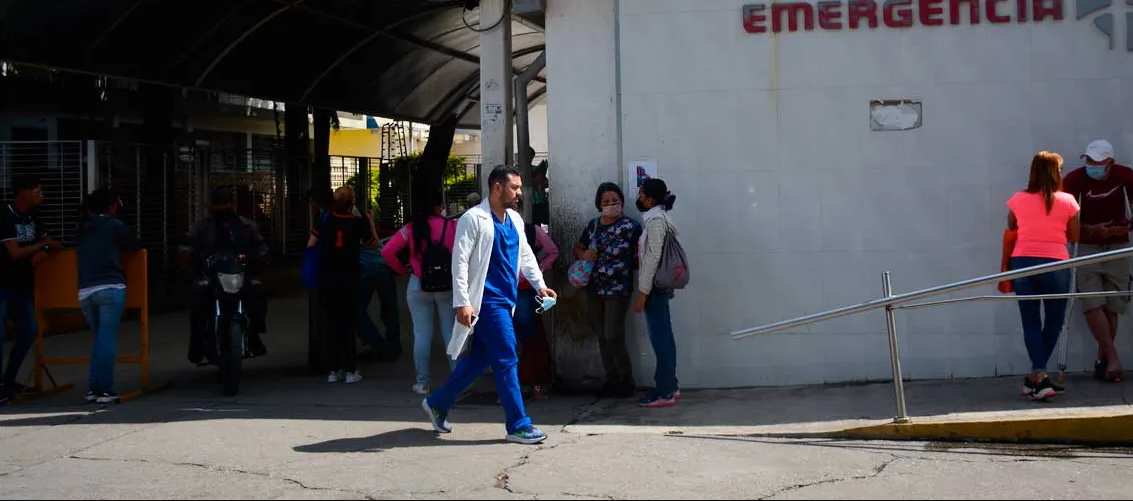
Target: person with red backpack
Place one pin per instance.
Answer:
(429, 238)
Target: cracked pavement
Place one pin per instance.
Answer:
(372, 442)
(292, 436)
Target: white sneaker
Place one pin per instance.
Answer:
(353, 377)
(334, 376)
(421, 389)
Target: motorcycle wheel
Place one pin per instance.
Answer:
(232, 357)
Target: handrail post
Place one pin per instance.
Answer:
(894, 350)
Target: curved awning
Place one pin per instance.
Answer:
(405, 59)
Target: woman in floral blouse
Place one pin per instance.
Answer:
(610, 241)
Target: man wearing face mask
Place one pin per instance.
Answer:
(1103, 188)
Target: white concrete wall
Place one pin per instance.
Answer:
(790, 205)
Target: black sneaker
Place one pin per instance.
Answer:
(256, 346)
(1042, 390)
(91, 396)
(1028, 387)
(1057, 387)
(107, 397)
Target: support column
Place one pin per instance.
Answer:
(582, 133)
(523, 131)
(495, 88)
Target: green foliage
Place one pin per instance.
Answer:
(456, 175)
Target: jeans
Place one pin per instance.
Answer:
(1041, 337)
(660, 327)
(525, 317)
(21, 304)
(607, 315)
(103, 311)
(421, 307)
(493, 344)
(380, 280)
(535, 351)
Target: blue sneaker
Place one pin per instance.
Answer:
(529, 436)
(437, 418)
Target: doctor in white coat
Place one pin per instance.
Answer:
(489, 254)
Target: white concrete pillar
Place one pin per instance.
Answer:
(495, 87)
(582, 141)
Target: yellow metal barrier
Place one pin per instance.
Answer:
(57, 288)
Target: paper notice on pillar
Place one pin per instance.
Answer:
(493, 112)
(639, 171)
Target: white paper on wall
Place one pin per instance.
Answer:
(894, 115)
(637, 171)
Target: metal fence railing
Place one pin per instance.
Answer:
(890, 303)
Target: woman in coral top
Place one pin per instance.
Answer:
(1046, 220)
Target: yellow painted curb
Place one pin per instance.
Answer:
(1101, 430)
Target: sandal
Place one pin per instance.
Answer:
(1113, 376)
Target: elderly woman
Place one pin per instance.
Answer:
(610, 242)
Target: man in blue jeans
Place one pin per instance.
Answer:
(24, 243)
(488, 255)
(378, 277)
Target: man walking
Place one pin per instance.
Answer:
(488, 256)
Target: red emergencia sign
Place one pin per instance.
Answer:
(855, 14)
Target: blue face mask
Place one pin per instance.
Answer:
(546, 303)
(1095, 171)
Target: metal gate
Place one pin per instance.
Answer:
(59, 166)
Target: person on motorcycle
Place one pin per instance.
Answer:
(223, 228)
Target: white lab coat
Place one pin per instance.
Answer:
(471, 255)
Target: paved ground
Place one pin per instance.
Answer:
(289, 435)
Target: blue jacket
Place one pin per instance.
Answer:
(102, 238)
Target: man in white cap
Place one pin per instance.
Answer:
(1103, 188)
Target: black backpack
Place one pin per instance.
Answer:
(436, 265)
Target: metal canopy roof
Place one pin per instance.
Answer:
(406, 59)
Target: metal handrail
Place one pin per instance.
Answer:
(935, 291)
(1005, 297)
(891, 303)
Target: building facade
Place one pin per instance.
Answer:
(814, 146)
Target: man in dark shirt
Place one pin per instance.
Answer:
(223, 227)
(24, 243)
(1102, 188)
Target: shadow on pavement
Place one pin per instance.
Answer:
(405, 438)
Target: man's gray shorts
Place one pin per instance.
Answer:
(1103, 277)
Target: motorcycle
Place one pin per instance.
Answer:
(225, 274)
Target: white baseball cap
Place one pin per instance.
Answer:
(1099, 150)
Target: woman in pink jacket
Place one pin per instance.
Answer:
(429, 239)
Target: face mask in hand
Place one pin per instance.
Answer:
(546, 303)
(1095, 171)
(612, 210)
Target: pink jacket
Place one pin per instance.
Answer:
(404, 238)
(549, 253)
